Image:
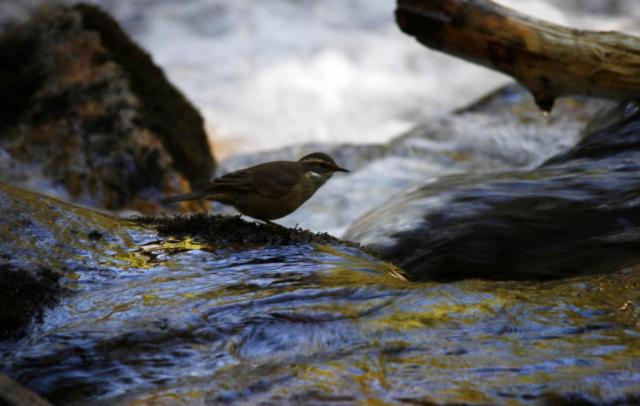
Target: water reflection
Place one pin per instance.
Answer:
(317, 323)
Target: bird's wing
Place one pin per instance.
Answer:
(233, 181)
(276, 179)
(271, 179)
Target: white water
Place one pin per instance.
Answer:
(273, 73)
(270, 73)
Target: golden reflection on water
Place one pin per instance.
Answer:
(351, 326)
(525, 357)
(536, 348)
(375, 271)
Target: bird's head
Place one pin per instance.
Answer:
(320, 167)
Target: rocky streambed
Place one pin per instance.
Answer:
(210, 309)
(539, 248)
(190, 311)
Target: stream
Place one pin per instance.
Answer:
(146, 316)
(181, 321)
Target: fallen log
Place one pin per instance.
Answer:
(548, 59)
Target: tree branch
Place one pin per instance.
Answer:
(548, 59)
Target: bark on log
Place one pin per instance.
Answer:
(548, 59)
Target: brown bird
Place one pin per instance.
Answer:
(270, 190)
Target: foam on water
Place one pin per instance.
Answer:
(269, 74)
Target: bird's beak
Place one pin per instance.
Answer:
(339, 169)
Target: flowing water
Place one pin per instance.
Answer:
(266, 74)
(181, 321)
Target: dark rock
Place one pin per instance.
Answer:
(25, 293)
(621, 121)
(164, 110)
(577, 399)
(217, 229)
(576, 214)
(87, 113)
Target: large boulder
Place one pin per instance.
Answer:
(85, 114)
(211, 310)
(577, 213)
(46, 245)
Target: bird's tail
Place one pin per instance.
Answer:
(198, 194)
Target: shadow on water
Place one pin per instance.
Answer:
(308, 323)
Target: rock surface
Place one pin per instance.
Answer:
(502, 131)
(44, 243)
(575, 214)
(85, 114)
(47, 245)
(212, 310)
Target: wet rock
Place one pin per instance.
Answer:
(44, 243)
(39, 232)
(503, 131)
(85, 114)
(25, 293)
(50, 250)
(575, 214)
(171, 310)
(47, 245)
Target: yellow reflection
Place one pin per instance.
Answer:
(142, 257)
(466, 392)
(356, 262)
(439, 313)
(120, 308)
(126, 259)
(184, 244)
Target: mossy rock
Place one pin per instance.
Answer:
(86, 113)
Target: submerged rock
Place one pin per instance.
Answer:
(44, 243)
(47, 245)
(210, 310)
(132, 283)
(576, 214)
(85, 114)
